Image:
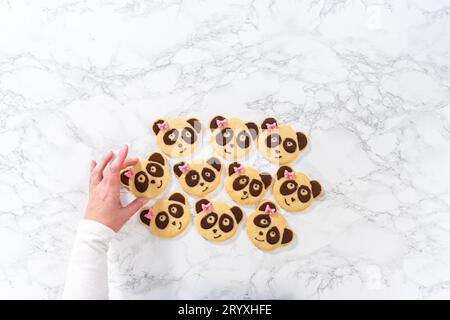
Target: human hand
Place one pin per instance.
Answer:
(104, 204)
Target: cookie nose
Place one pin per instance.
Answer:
(152, 181)
(180, 145)
(231, 145)
(173, 223)
(261, 233)
(277, 151)
(202, 184)
(215, 230)
(293, 199)
(245, 193)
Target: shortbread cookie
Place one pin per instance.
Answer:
(199, 178)
(267, 228)
(294, 191)
(245, 185)
(216, 221)
(232, 138)
(167, 218)
(148, 178)
(178, 137)
(279, 143)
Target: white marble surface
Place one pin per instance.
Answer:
(369, 81)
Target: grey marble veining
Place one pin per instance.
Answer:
(368, 81)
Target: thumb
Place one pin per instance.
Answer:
(134, 206)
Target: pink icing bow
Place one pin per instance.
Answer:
(222, 123)
(150, 214)
(239, 170)
(206, 207)
(163, 125)
(184, 167)
(270, 210)
(129, 173)
(289, 175)
(272, 126)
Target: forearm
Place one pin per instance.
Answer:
(87, 274)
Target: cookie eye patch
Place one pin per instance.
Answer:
(141, 182)
(290, 145)
(262, 221)
(188, 135)
(224, 137)
(273, 236)
(209, 221)
(226, 223)
(208, 175)
(171, 136)
(240, 183)
(273, 140)
(176, 210)
(288, 188)
(192, 178)
(162, 220)
(155, 170)
(304, 193)
(243, 140)
(256, 187)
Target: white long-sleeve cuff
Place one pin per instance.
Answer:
(87, 274)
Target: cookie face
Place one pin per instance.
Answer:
(267, 229)
(167, 218)
(232, 138)
(294, 191)
(246, 185)
(279, 143)
(216, 221)
(148, 178)
(178, 137)
(199, 178)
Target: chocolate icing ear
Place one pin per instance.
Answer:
(266, 179)
(280, 172)
(198, 205)
(213, 123)
(157, 157)
(288, 236)
(316, 188)
(238, 214)
(268, 120)
(123, 178)
(144, 220)
(262, 207)
(215, 163)
(155, 126)
(302, 140)
(177, 170)
(178, 197)
(253, 129)
(195, 123)
(231, 168)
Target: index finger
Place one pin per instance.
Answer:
(117, 163)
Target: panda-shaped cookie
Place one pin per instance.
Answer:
(267, 229)
(245, 185)
(294, 191)
(279, 143)
(232, 138)
(148, 178)
(178, 137)
(167, 218)
(216, 221)
(199, 178)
